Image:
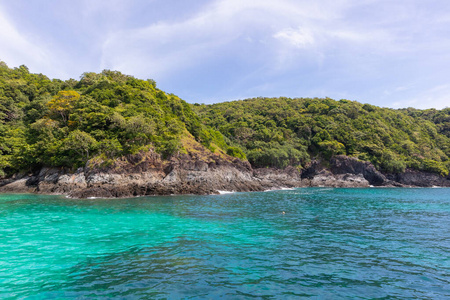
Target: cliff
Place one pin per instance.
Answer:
(205, 173)
(146, 174)
(198, 171)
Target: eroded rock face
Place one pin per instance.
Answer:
(271, 178)
(327, 179)
(143, 174)
(342, 164)
(17, 186)
(177, 181)
(421, 179)
(147, 174)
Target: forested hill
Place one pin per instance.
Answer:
(281, 131)
(58, 123)
(55, 123)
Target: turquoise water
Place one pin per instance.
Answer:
(329, 244)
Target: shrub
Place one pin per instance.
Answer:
(236, 152)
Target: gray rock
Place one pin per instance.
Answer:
(342, 164)
(421, 179)
(327, 179)
(148, 174)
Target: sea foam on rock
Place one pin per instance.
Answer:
(148, 174)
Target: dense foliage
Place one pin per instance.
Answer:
(282, 131)
(47, 122)
(59, 123)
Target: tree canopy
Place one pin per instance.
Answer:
(284, 131)
(50, 122)
(58, 123)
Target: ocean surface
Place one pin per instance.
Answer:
(328, 244)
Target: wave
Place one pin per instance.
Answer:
(226, 192)
(279, 189)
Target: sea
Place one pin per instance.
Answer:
(306, 243)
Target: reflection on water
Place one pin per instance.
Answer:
(330, 243)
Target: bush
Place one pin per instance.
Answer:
(169, 147)
(391, 163)
(236, 152)
(434, 167)
(331, 148)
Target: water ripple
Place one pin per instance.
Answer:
(329, 244)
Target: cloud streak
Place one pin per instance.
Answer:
(225, 49)
(17, 49)
(165, 47)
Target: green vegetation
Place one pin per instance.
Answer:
(282, 131)
(58, 123)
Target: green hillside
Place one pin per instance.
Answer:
(281, 131)
(58, 123)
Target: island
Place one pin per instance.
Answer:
(113, 135)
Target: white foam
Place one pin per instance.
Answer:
(279, 189)
(226, 192)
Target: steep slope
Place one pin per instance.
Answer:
(276, 132)
(53, 123)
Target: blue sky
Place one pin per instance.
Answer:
(392, 53)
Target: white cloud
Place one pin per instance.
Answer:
(23, 48)
(436, 97)
(300, 38)
(280, 28)
(360, 49)
(167, 48)
(17, 49)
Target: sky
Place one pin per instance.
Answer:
(390, 53)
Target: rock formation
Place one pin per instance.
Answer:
(204, 173)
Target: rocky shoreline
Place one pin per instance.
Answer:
(147, 174)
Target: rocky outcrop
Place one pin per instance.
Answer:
(420, 179)
(178, 176)
(328, 179)
(272, 178)
(143, 174)
(199, 173)
(410, 178)
(345, 171)
(342, 164)
(18, 185)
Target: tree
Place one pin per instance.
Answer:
(80, 142)
(391, 163)
(435, 167)
(110, 147)
(4, 163)
(331, 148)
(63, 103)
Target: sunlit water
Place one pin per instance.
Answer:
(329, 244)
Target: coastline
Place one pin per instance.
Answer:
(189, 175)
